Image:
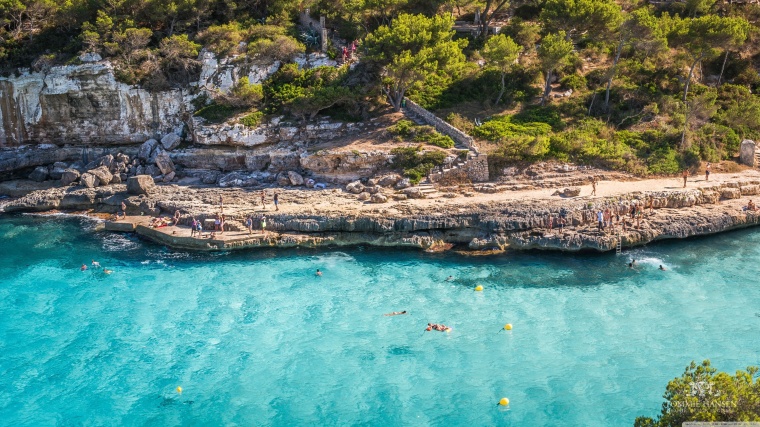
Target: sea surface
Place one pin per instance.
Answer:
(256, 339)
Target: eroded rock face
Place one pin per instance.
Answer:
(141, 184)
(82, 103)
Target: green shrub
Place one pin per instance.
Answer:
(415, 163)
(252, 120)
(502, 128)
(216, 113)
(402, 128)
(222, 39)
(548, 115)
(245, 94)
(574, 82)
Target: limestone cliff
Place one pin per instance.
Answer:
(84, 104)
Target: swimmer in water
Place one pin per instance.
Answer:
(319, 273)
(107, 271)
(630, 265)
(95, 264)
(450, 278)
(662, 268)
(83, 268)
(395, 313)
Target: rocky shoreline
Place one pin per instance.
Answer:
(475, 222)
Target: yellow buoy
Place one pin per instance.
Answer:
(478, 288)
(179, 390)
(504, 401)
(508, 326)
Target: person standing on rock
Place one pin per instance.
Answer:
(276, 200)
(249, 224)
(221, 204)
(551, 222)
(707, 172)
(600, 219)
(263, 199)
(263, 223)
(685, 175)
(593, 186)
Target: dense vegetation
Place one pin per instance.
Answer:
(622, 84)
(704, 394)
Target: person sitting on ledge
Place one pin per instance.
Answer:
(177, 215)
(751, 206)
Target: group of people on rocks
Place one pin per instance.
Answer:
(608, 218)
(348, 52)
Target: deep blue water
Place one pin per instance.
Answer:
(254, 338)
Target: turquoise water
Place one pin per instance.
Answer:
(255, 338)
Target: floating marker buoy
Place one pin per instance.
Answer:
(478, 288)
(508, 326)
(504, 401)
(179, 390)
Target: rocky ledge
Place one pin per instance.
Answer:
(479, 222)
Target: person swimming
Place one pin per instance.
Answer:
(450, 278)
(107, 271)
(437, 327)
(662, 268)
(83, 267)
(395, 313)
(318, 273)
(95, 264)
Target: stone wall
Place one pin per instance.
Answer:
(477, 168)
(441, 125)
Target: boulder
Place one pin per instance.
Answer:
(89, 180)
(747, 153)
(283, 180)
(404, 183)
(107, 161)
(146, 149)
(152, 170)
(70, 176)
(295, 178)
(414, 193)
(378, 198)
(116, 179)
(56, 171)
(39, 174)
(171, 141)
(388, 180)
(372, 190)
(363, 197)
(103, 174)
(122, 158)
(164, 162)
(169, 176)
(568, 192)
(355, 187)
(400, 196)
(140, 170)
(140, 184)
(309, 183)
(237, 179)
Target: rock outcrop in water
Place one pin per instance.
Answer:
(518, 224)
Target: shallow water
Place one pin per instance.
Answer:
(254, 338)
